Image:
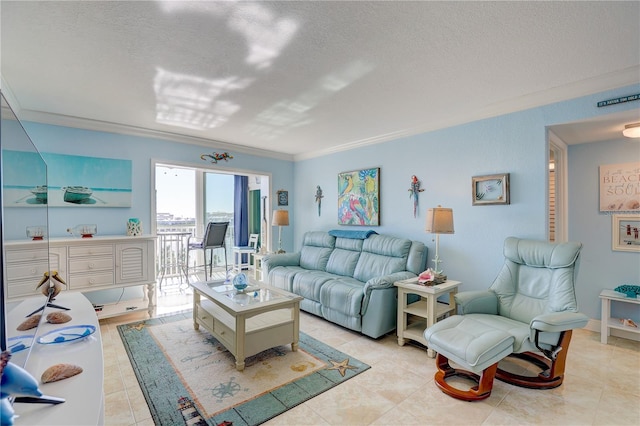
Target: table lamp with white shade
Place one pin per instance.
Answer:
(280, 219)
(439, 221)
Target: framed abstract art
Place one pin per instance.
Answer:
(359, 197)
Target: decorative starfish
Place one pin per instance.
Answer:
(341, 366)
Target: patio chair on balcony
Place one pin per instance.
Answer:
(214, 238)
(242, 253)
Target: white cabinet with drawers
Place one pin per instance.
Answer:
(86, 264)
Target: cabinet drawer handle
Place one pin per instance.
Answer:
(92, 281)
(33, 271)
(91, 266)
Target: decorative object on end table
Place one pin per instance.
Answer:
(413, 193)
(55, 284)
(629, 290)
(625, 232)
(430, 278)
(439, 221)
(134, 227)
(280, 219)
(240, 282)
(490, 189)
(83, 231)
(36, 232)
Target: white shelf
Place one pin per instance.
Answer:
(114, 309)
(420, 309)
(607, 322)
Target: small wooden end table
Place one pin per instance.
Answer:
(414, 318)
(248, 322)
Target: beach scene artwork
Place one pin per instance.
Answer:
(67, 180)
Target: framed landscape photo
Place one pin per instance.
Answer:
(625, 230)
(490, 189)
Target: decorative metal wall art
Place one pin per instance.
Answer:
(413, 193)
(216, 156)
(319, 198)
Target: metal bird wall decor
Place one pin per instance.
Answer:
(413, 193)
(319, 198)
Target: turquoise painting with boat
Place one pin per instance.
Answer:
(71, 180)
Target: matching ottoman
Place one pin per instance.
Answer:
(473, 343)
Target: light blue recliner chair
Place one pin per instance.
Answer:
(528, 312)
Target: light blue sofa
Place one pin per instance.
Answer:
(348, 281)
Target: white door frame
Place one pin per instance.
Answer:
(560, 150)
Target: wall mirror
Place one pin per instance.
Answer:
(30, 189)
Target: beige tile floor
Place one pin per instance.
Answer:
(601, 387)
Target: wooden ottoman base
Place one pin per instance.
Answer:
(475, 393)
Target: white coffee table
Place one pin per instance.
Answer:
(248, 322)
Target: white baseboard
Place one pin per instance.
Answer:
(594, 325)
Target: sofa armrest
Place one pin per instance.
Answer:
(385, 281)
(270, 261)
(477, 302)
(559, 321)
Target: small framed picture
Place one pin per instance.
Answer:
(625, 230)
(283, 197)
(490, 189)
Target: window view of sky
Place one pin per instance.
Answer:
(175, 192)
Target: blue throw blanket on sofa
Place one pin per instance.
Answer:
(345, 233)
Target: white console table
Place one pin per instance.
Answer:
(606, 322)
(86, 264)
(83, 393)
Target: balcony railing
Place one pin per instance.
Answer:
(171, 258)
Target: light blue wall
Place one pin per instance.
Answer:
(445, 160)
(141, 151)
(600, 266)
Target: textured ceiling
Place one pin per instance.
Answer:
(306, 78)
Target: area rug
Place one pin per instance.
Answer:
(188, 377)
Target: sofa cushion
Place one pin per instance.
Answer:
(282, 276)
(307, 283)
(343, 295)
(344, 258)
(382, 255)
(316, 249)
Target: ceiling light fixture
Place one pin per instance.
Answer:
(632, 130)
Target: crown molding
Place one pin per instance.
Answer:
(590, 86)
(110, 127)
